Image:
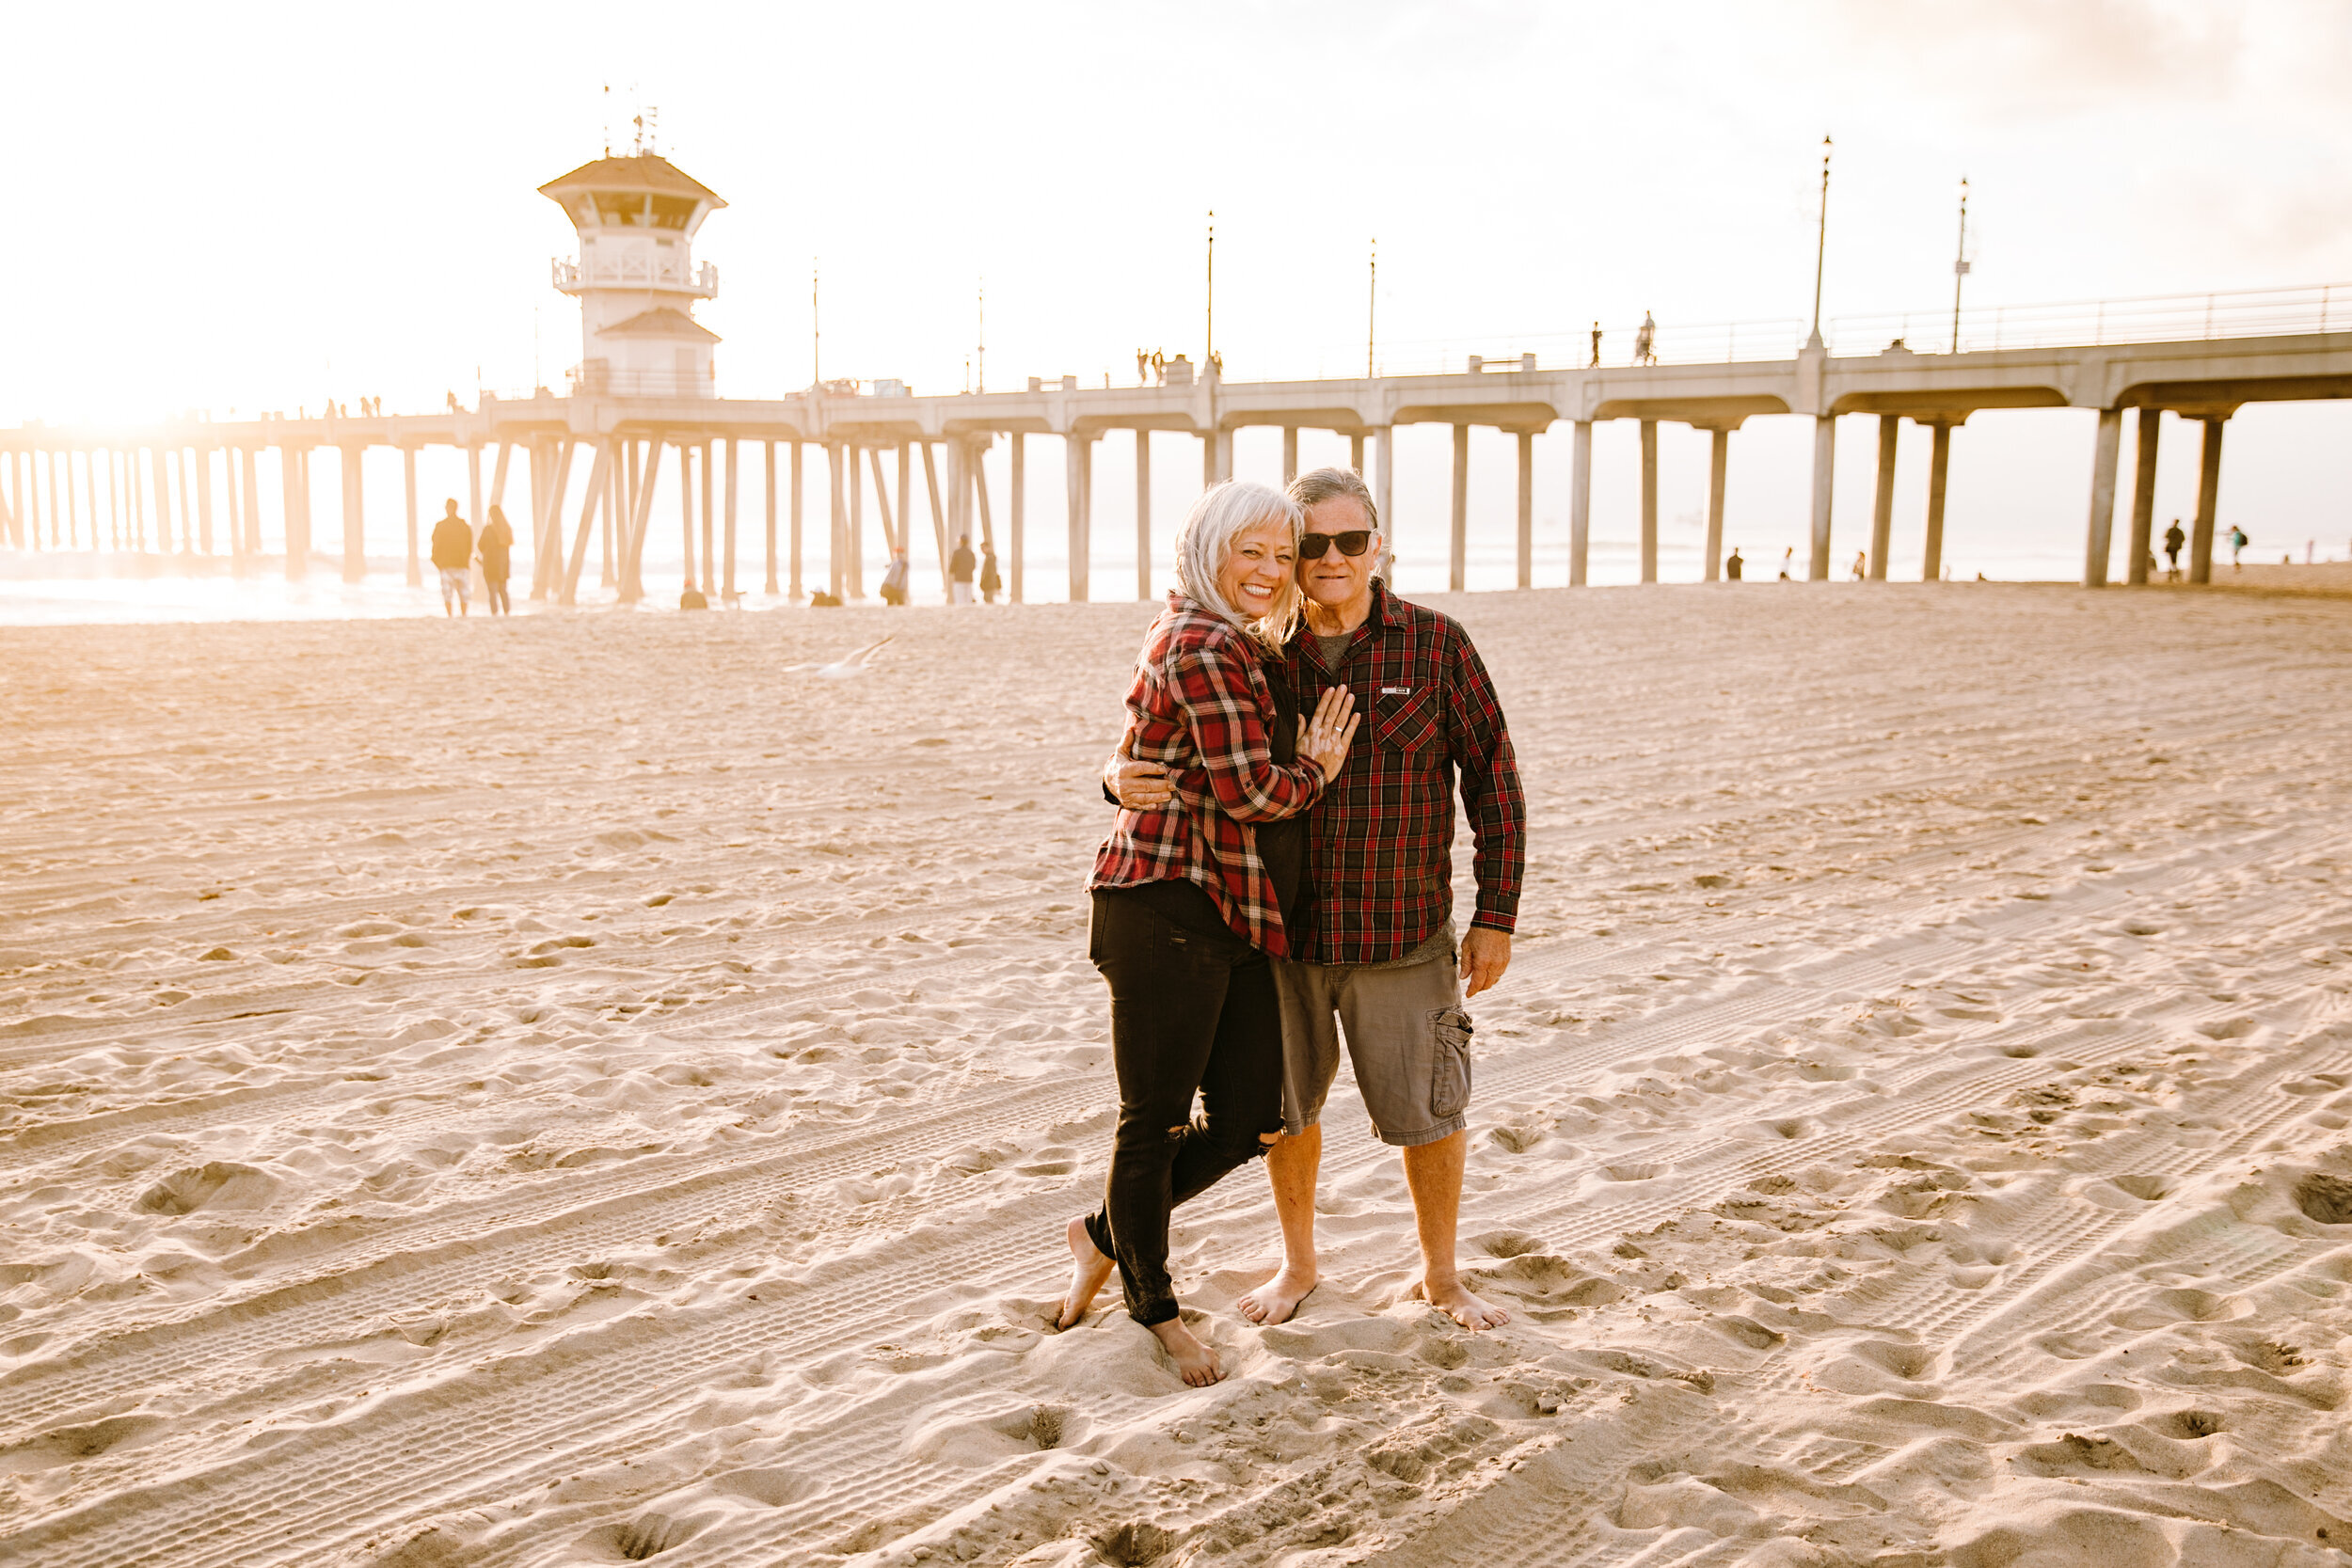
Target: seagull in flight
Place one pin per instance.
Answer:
(856, 662)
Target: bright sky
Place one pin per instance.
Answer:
(247, 206)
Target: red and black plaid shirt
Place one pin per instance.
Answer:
(1199, 705)
(1380, 855)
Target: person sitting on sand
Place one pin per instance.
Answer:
(1190, 899)
(1379, 957)
(453, 556)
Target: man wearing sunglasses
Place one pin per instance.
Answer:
(1379, 963)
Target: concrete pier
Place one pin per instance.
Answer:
(2098, 542)
(1882, 501)
(1457, 537)
(2208, 500)
(1824, 480)
(1939, 466)
(2150, 425)
(50, 475)
(1580, 505)
(1078, 459)
(1143, 511)
(1649, 500)
(1527, 508)
(1718, 470)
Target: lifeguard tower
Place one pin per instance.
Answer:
(636, 277)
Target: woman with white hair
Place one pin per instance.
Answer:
(1191, 898)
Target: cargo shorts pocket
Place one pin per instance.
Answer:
(1450, 1074)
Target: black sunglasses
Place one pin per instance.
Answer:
(1353, 543)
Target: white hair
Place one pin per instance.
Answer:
(1223, 512)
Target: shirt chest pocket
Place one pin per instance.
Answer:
(1405, 719)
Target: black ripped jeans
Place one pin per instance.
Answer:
(1193, 1007)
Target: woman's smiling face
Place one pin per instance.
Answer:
(1258, 568)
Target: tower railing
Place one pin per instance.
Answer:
(637, 272)
(597, 380)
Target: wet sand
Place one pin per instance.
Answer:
(573, 1090)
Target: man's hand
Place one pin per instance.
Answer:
(1138, 785)
(1486, 954)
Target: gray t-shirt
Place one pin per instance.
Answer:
(1335, 648)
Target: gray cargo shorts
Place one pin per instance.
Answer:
(1407, 1039)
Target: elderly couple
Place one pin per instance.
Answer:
(1281, 874)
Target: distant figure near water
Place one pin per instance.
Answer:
(2237, 541)
(1733, 567)
(2173, 540)
(1860, 565)
(453, 556)
(960, 571)
(894, 583)
(496, 545)
(992, 582)
(1788, 558)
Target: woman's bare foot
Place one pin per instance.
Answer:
(1275, 1300)
(1453, 1299)
(1089, 1270)
(1196, 1363)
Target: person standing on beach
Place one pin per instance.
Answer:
(1788, 558)
(2173, 540)
(453, 556)
(960, 571)
(1860, 565)
(1379, 963)
(1191, 898)
(2237, 541)
(1733, 567)
(894, 583)
(495, 547)
(992, 582)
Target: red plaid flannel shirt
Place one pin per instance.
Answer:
(1381, 848)
(1200, 704)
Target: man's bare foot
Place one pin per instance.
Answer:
(1275, 1300)
(1455, 1299)
(1089, 1268)
(1196, 1363)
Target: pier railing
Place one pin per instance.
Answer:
(2072, 324)
(2062, 324)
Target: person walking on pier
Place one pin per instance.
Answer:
(1645, 341)
(960, 571)
(1379, 965)
(2173, 540)
(453, 556)
(495, 547)
(1194, 899)
(1596, 365)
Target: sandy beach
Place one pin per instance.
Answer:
(577, 1089)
